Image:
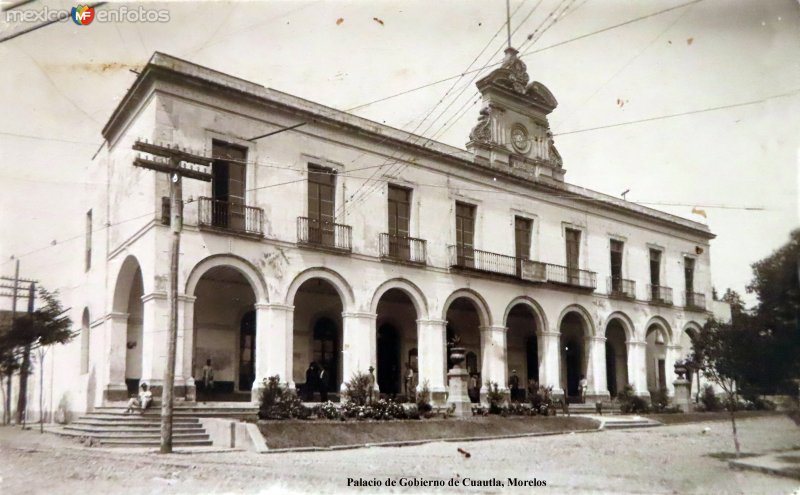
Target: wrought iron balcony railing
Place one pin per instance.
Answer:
(574, 277)
(660, 294)
(403, 248)
(235, 217)
(695, 300)
(325, 234)
(621, 287)
(465, 257)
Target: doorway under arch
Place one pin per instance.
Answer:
(318, 338)
(574, 358)
(616, 358)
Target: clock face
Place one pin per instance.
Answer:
(520, 139)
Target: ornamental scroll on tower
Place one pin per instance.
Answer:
(512, 128)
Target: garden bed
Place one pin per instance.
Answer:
(699, 417)
(322, 433)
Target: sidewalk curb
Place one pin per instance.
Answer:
(407, 443)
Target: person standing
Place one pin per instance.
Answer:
(513, 385)
(410, 383)
(582, 386)
(323, 384)
(312, 377)
(208, 377)
(371, 385)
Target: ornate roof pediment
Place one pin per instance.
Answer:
(513, 75)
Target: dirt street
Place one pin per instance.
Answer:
(671, 459)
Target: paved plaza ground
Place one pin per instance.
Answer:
(670, 459)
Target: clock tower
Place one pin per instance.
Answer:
(512, 129)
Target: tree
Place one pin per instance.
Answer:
(776, 283)
(725, 354)
(38, 329)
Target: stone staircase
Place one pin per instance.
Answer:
(609, 408)
(626, 422)
(108, 425)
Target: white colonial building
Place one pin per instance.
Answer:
(352, 244)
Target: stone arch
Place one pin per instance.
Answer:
(583, 313)
(409, 288)
(663, 327)
(535, 308)
(122, 288)
(692, 326)
(250, 273)
(337, 281)
(626, 323)
(480, 305)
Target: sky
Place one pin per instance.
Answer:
(739, 164)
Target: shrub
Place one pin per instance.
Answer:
(495, 398)
(542, 400)
(659, 400)
(517, 409)
(709, 399)
(424, 399)
(328, 410)
(629, 402)
(277, 402)
(357, 389)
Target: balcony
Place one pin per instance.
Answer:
(695, 301)
(660, 294)
(483, 261)
(402, 248)
(573, 277)
(231, 217)
(324, 234)
(621, 288)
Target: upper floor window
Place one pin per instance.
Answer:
(399, 207)
(688, 274)
(465, 234)
(399, 211)
(655, 267)
(321, 205)
(522, 240)
(573, 242)
(228, 185)
(522, 237)
(88, 248)
(616, 251)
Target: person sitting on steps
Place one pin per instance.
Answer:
(140, 402)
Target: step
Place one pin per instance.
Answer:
(135, 418)
(155, 443)
(126, 429)
(133, 436)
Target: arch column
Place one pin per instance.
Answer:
(493, 357)
(274, 345)
(155, 325)
(673, 354)
(637, 366)
(359, 344)
(184, 360)
(596, 367)
(550, 367)
(432, 356)
(116, 345)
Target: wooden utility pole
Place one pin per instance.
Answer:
(178, 163)
(26, 352)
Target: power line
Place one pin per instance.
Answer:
(632, 59)
(401, 166)
(681, 114)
